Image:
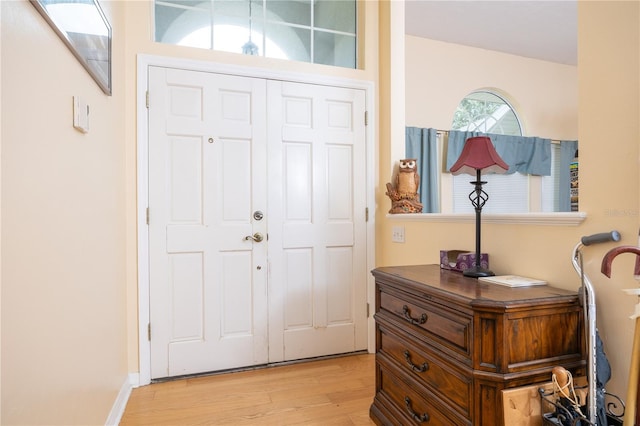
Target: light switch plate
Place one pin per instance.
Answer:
(397, 234)
(80, 115)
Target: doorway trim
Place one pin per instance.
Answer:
(142, 120)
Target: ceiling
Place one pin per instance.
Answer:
(538, 29)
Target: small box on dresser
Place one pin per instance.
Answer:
(447, 345)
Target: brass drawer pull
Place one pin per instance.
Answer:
(414, 321)
(420, 369)
(419, 418)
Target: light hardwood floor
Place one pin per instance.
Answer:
(336, 391)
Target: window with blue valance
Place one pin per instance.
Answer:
(526, 155)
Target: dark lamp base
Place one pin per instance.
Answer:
(477, 271)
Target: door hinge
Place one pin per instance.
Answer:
(147, 215)
(366, 214)
(149, 331)
(367, 310)
(366, 116)
(147, 99)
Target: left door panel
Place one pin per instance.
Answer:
(207, 177)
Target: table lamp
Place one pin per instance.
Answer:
(478, 157)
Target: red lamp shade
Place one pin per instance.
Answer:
(479, 154)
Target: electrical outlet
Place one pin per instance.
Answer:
(397, 234)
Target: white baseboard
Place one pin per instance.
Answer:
(134, 380)
(117, 410)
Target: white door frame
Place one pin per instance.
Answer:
(143, 63)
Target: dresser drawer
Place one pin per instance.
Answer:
(408, 404)
(451, 329)
(450, 383)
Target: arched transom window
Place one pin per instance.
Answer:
(321, 32)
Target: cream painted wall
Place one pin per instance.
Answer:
(608, 129)
(0, 220)
(439, 75)
(63, 229)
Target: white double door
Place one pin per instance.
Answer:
(256, 221)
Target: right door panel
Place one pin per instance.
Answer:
(317, 235)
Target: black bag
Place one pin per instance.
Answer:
(567, 415)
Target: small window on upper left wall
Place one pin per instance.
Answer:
(84, 28)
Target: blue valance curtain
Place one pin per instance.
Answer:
(527, 155)
(422, 144)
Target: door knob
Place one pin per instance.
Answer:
(257, 237)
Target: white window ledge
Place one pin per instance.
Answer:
(553, 219)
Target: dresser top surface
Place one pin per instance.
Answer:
(432, 278)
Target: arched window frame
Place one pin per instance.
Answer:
(507, 193)
(536, 194)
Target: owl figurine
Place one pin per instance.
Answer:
(404, 194)
(407, 180)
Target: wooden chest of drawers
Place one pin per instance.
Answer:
(447, 345)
